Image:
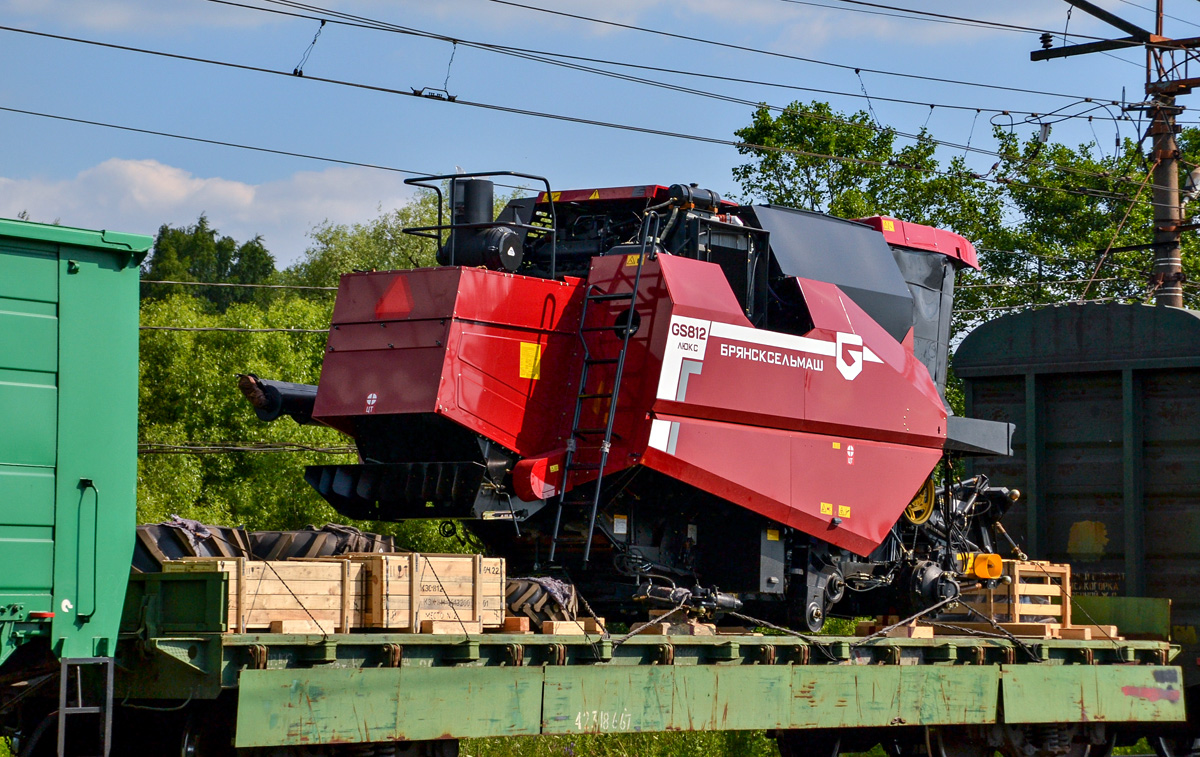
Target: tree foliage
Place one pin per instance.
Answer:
(189, 398)
(201, 442)
(200, 253)
(868, 173)
(1053, 223)
(379, 244)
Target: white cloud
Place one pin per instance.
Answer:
(152, 16)
(140, 195)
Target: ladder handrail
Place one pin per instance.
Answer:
(605, 445)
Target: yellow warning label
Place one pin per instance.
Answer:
(888, 224)
(554, 468)
(595, 195)
(553, 196)
(837, 445)
(531, 360)
(843, 511)
(772, 534)
(826, 508)
(632, 260)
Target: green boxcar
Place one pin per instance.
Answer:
(68, 448)
(1106, 399)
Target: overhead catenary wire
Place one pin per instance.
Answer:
(894, 164)
(639, 80)
(214, 448)
(944, 18)
(1031, 305)
(376, 24)
(772, 53)
(236, 284)
(688, 90)
(234, 329)
(364, 22)
(1043, 282)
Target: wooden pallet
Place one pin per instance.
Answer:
(301, 596)
(1037, 590)
(579, 627)
(915, 630)
(1036, 603)
(402, 590)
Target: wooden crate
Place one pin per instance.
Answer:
(1039, 590)
(467, 588)
(307, 596)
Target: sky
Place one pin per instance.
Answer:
(93, 176)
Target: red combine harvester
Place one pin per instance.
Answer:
(658, 394)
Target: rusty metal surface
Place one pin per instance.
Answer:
(332, 705)
(343, 691)
(1088, 693)
(335, 706)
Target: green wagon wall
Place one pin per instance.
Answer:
(68, 414)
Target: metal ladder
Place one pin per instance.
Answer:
(103, 709)
(649, 239)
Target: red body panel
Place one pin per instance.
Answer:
(920, 237)
(491, 351)
(842, 422)
(831, 432)
(643, 191)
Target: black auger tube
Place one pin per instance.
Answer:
(272, 399)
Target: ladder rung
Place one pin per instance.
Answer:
(83, 710)
(585, 466)
(600, 396)
(600, 328)
(610, 296)
(589, 431)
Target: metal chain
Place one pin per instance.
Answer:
(638, 629)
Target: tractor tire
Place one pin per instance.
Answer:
(526, 598)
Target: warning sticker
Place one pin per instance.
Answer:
(889, 224)
(826, 508)
(531, 360)
(620, 525)
(632, 260)
(843, 511)
(772, 534)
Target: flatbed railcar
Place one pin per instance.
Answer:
(93, 661)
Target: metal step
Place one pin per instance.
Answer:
(71, 677)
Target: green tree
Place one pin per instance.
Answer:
(193, 419)
(202, 446)
(868, 174)
(200, 253)
(1052, 223)
(379, 244)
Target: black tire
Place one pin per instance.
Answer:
(529, 599)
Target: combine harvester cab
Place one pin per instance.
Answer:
(665, 389)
